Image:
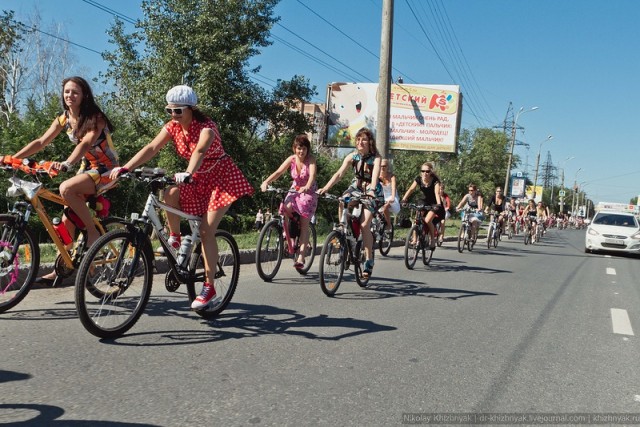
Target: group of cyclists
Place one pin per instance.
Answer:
(211, 181)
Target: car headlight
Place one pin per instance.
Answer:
(592, 232)
(635, 235)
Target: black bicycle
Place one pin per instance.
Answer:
(272, 244)
(418, 239)
(382, 233)
(344, 246)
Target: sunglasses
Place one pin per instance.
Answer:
(176, 110)
(425, 171)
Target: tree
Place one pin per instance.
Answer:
(10, 69)
(205, 44)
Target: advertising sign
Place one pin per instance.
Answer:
(422, 117)
(517, 187)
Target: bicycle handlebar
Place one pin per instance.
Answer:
(30, 166)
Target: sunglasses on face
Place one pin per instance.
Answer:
(175, 110)
(425, 171)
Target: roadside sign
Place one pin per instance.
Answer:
(561, 193)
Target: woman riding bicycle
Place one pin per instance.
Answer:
(473, 200)
(530, 215)
(302, 200)
(391, 202)
(365, 162)
(499, 203)
(208, 186)
(429, 184)
(90, 130)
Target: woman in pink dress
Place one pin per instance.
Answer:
(302, 200)
(214, 181)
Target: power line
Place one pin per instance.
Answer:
(26, 28)
(110, 11)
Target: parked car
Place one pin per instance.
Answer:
(613, 231)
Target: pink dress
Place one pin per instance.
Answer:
(218, 182)
(303, 203)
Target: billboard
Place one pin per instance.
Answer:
(422, 117)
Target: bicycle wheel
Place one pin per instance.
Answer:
(386, 240)
(527, 236)
(412, 247)
(270, 250)
(427, 252)
(114, 283)
(440, 234)
(226, 277)
(310, 252)
(16, 272)
(496, 237)
(462, 238)
(490, 236)
(358, 268)
(332, 259)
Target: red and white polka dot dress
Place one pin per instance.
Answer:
(218, 182)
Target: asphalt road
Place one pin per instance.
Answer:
(542, 329)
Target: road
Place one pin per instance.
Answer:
(518, 329)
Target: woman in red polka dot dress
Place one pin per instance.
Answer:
(216, 182)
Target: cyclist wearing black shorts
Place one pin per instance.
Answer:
(429, 184)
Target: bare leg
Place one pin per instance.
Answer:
(172, 198)
(208, 228)
(304, 238)
(75, 191)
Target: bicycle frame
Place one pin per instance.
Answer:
(34, 192)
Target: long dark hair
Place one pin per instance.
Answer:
(372, 140)
(90, 113)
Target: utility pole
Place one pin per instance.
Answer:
(384, 85)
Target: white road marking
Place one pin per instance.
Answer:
(611, 271)
(620, 321)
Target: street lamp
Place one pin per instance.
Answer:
(535, 180)
(513, 143)
(575, 187)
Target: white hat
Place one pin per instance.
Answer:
(182, 95)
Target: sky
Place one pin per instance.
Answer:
(575, 60)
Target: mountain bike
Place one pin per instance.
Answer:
(466, 238)
(382, 232)
(494, 230)
(275, 241)
(418, 239)
(120, 265)
(343, 246)
(19, 248)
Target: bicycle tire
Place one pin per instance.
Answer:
(427, 252)
(310, 254)
(412, 245)
(440, 233)
(462, 238)
(270, 250)
(386, 239)
(15, 284)
(490, 236)
(332, 260)
(226, 277)
(527, 236)
(358, 268)
(496, 239)
(107, 270)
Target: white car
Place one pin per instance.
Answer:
(613, 231)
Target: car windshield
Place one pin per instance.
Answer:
(620, 220)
